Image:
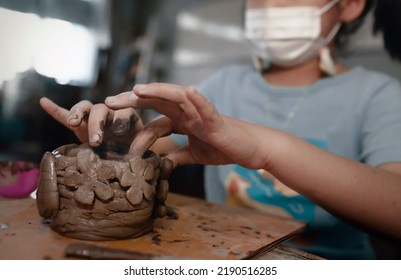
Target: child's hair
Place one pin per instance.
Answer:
(349, 28)
(388, 21)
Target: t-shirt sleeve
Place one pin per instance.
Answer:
(381, 126)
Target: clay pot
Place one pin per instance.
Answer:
(95, 194)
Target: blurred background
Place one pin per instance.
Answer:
(90, 49)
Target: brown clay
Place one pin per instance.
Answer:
(100, 195)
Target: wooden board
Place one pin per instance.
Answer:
(202, 231)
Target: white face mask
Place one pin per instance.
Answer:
(287, 36)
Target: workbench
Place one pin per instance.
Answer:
(200, 230)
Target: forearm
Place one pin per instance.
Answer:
(365, 195)
(368, 196)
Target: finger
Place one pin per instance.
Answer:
(122, 100)
(96, 123)
(166, 167)
(169, 93)
(126, 121)
(130, 99)
(200, 102)
(58, 113)
(149, 134)
(180, 156)
(78, 112)
(166, 108)
(206, 110)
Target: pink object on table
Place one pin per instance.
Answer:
(18, 179)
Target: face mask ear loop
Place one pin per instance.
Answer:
(260, 64)
(326, 64)
(326, 60)
(328, 6)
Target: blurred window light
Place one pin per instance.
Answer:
(187, 57)
(54, 48)
(17, 33)
(190, 22)
(67, 53)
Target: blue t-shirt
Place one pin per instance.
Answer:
(356, 115)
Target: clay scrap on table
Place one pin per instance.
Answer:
(100, 195)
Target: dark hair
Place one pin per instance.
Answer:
(351, 27)
(388, 21)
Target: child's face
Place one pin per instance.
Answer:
(329, 19)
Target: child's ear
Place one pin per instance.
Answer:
(351, 9)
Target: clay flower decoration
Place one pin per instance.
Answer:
(95, 194)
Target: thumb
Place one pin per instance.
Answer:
(180, 156)
(154, 130)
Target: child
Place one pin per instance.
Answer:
(305, 134)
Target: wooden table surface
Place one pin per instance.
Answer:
(202, 230)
